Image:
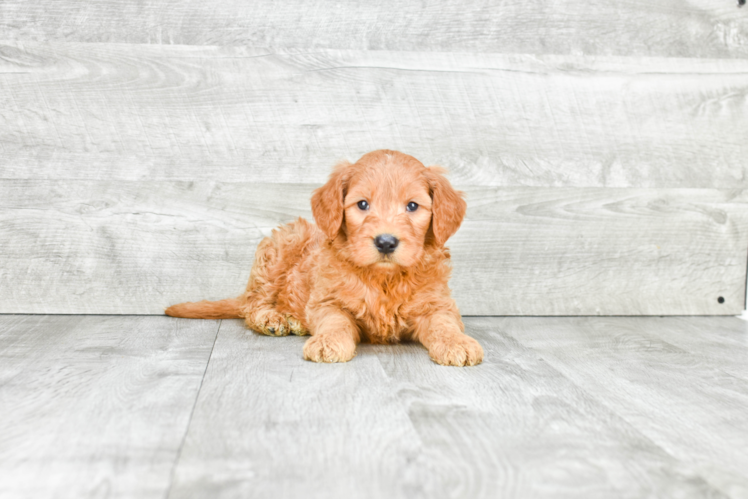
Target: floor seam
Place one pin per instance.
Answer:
(192, 413)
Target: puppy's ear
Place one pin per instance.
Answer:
(447, 205)
(327, 201)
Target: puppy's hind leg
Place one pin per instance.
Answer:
(259, 309)
(267, 321)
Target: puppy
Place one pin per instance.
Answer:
(374, 268)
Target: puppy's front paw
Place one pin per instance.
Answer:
(330, 348)
(457, 350)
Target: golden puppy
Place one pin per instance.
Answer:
(374, 268)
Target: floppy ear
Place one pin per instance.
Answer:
(327, 201)
(447, 205)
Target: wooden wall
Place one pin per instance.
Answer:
(147, 146)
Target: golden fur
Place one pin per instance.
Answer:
(331, 282)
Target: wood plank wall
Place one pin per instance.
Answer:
(147, 146)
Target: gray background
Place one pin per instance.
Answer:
(147, 146)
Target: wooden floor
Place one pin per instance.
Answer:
(132, 406)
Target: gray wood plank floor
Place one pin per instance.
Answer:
(96, 406)
(118, 406)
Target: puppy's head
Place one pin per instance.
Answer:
(385, 208)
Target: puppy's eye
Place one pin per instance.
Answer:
(363, 205)
(412, 206)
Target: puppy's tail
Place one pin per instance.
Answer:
(205, 309)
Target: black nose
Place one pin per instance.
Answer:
(386, 243)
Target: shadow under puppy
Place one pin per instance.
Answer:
(374, 268)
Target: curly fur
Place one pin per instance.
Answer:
(329, 280)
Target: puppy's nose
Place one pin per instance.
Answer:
(386, 243)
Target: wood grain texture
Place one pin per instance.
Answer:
(269, 424)
(683, 401)
(129, 112)
(391, 423)
(722, 343)
(601, 251)
(96, 406)
(700, 28)
(136, 247)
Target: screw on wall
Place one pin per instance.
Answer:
(741, 3)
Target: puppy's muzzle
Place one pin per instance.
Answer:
(386, 243)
